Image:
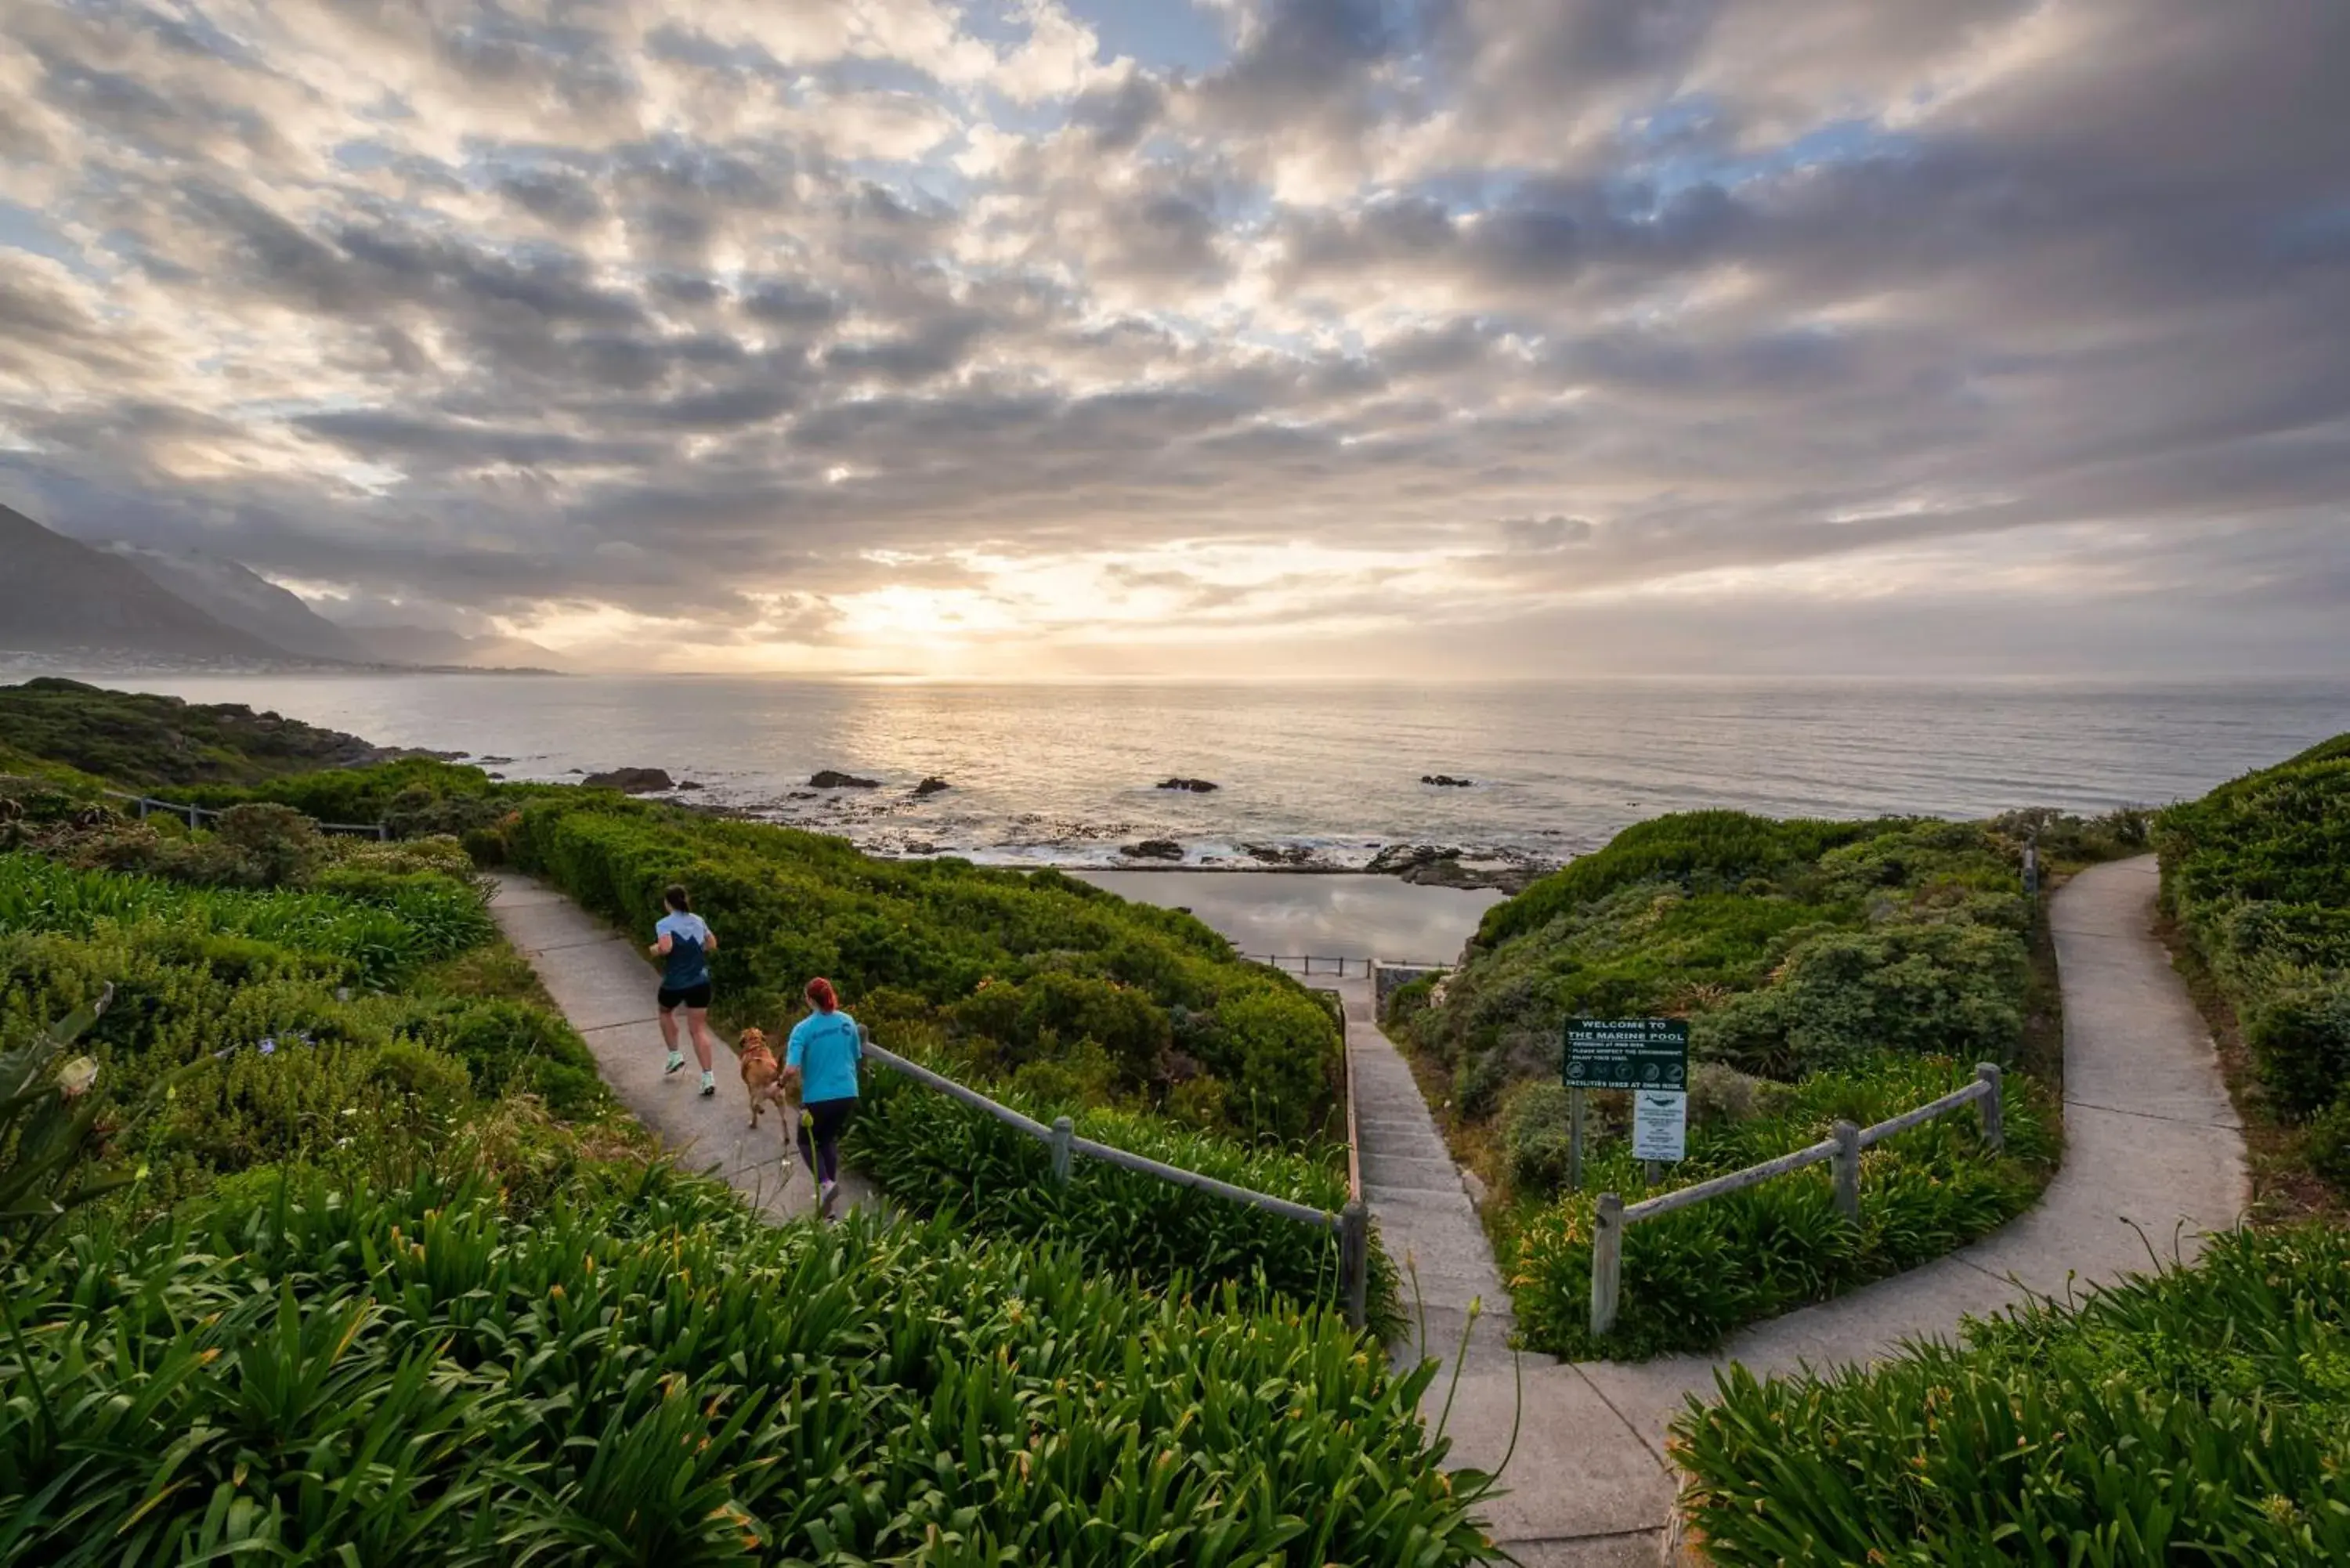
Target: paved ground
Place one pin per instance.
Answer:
(605, 985)
(2153, 1156)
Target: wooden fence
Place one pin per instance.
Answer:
(1351, 1223)
(197, 815)
(1613, 1216)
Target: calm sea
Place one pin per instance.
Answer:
(1064, 774)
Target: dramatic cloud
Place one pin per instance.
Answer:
(1042, 336)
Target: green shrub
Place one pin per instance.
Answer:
(514, 1047)
(1952, 989)
(2202, 1416)
(2300, 1039)
(1693, 1275)
(2257, 874)
(1535, 1136)
(1708, 849)
(315, 1375)
(934, 1154)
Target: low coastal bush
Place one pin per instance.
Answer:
(2202, 1416)
(1018, 969)
(296, 1027)
(378, 943)
(933, 1155)
(2257, 876)
(1693, 1275)
(306, 1374)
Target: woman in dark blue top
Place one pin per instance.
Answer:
(683, 941)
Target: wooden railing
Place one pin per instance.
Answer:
(198, 816)
(1612, 1217)
(1351, 1223)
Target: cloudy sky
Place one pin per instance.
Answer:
(1221, 336)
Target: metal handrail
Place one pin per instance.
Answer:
(1611, 1216)
(197, 814)
(1335, 968)
(1351, 1224)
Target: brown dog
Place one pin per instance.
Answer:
(761, 1074)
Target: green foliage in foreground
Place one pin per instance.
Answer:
(2199, 1417)
(1693, 1275)
(378, 939)
(412, 1375)
(2258, 875)
(1017, 968)
(931, 1154)
(257, 1004)
(142, 740)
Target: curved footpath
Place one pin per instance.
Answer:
(604, 984)
(2153, 1151)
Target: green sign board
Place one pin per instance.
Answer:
(1628, 1053)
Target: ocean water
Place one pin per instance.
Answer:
(1064, 774)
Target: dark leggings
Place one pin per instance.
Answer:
(826, 1120)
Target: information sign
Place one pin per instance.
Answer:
(1660, 1120)
(1628, 1053)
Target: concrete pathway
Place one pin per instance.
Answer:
(2153, 1152)
(605, 985)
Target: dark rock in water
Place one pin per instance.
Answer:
(687, 783)
(631, 781)
(1197, 787)
(574, 770)
(916, 846)
(1153, 849)
(931, 785)
(1278, 853)
(497, 777)
(494, 762)
(803, 794)
(828, 779)
(1446, 780)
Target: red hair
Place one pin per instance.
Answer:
(820, 995)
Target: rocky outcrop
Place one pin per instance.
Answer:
(1446, 780)
(930, 785)
(1278, 853)
(1153, 849)
(1444, 865)
(829, 779)
(1197, 787)
(632, 781)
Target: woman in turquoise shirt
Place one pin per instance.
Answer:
(820, 1066)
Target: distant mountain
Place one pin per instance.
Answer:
(425, 645)
(58, 595)
(238, 596)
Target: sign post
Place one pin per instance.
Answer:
(1649, 1057)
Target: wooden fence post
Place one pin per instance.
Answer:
(1847, 1165)
(1063, 1130)
(1355, 1259)
(1994, 1114)
(1606, 1261)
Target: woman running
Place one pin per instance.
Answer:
(683, 941)
(820, 1065)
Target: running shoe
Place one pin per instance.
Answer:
(825, 1193)
(676, 1060)
(709, 1085)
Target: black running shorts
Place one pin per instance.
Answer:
(689, 996)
